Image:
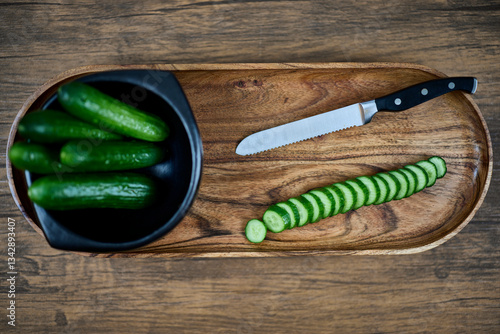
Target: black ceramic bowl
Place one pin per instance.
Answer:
(110, 230)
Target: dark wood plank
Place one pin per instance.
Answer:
(449, 289)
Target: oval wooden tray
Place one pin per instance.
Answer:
(231, 101)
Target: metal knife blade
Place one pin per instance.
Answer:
(357, 114)
(307, 128)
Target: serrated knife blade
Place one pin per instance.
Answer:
(307, 128)
(357, 114)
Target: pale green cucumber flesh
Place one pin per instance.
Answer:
(255, 231)
(326, 199)
(412, 181)
(349, 195)
(316, 204)
(338, 199)
(372, 188)
(440, 166)
(421, 177)
(431, 171)
(403, 182)
(304, 208)
(293, 212)
(361, 193)
(276, 219)
(393, 185)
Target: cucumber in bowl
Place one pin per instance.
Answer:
(91, 105)
(94, 190)
(110, 155)
(349, 195)
(54, 126)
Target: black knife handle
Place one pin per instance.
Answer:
(420, 93)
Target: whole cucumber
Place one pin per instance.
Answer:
(52, 126)
(35, 158)
(94, 190)
(110, 156)
(91, 105)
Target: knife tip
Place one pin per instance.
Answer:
(240, 150)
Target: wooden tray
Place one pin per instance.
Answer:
(231, 101)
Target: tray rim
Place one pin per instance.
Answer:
(143, 253)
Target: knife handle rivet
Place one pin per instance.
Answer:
(424, 91)
(397, 101)
(451, 85)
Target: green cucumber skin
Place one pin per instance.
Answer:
(282, 213)
(91, 105)
(110, 156)
(387, 186)
(431, 171)
(53, 126)
(35, 158)
(93, 190)
(440, 164)
(255, 231)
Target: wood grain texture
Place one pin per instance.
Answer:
(453, 288)
(232, 101)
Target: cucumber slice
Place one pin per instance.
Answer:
(373, 189)
(431, 171)
(305, 209)
(403, 182)
(349, 195)
(412, 181)
(392, 183)
(327, 200)
(338, 198)
(317, 206)
(276, 219)
(440, 166)
(255, 231)
(361, 193)
(383, 189)
(422, 178)
(293, 212)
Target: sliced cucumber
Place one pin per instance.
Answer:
(293, 212)
(372, 187)
(255, 231)
(361, 193)
(392, 183)
(412, 181)
(341, 197)
(431, 171)
(317, 206)
(326, 199)
(349, 196)
(305, 209)
(440, 166)
(422, 177)
(383, 189)
(276, 219)
(338, 198)
(403, 182)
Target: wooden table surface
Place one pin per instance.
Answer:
(453, 288)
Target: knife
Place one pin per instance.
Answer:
(354, 115)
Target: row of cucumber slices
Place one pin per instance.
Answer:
(345, 196)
